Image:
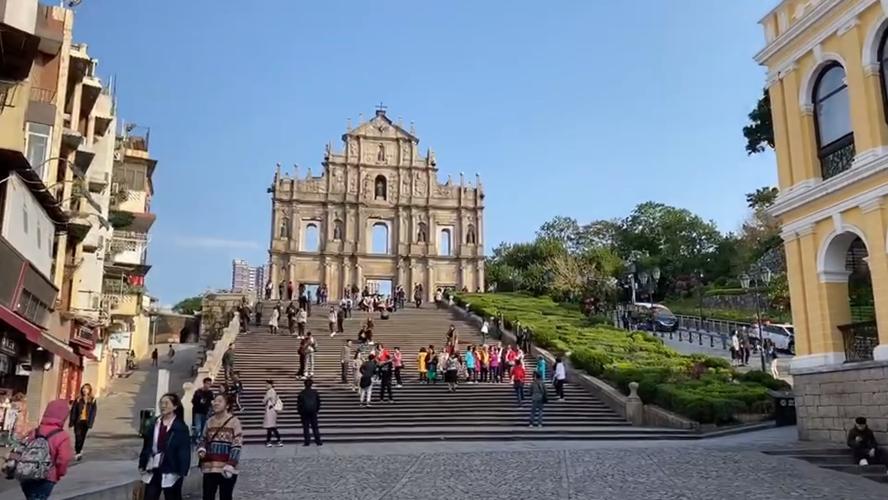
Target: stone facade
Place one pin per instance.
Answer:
(378, 191)
(828, 399)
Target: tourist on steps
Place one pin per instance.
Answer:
(518, 383)
(357, 362)
(559, 378)
(511, 356)
(289, 290)
(234, 390)
(494, 353)
(432, 358)
(385, 375)
(451, 372)
(82, 418)
(228, 362)
(538, 399)
(273, 320)
(273, 404)
(863, 443)
(368, 370)
(470, 364)
(301, 320)
(485, 328)
(398, 363)
(484, 362)
(219, 451)
(303, 355)
(291, 317)
(308, 404)
(166, 452)
(340, 320)
(345, 359)
(541, 367)
(421, 365)
(331, 321)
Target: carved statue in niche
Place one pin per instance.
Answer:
(353, 185)
(405, 185)
(421, 233)
(405, 153)
(353, 148)
(380, 154)
(419, 184)
(337, 229)
(338, 184)
(379, 187)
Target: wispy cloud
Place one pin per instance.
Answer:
(216, 243)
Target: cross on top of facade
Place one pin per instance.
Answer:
(380, 108)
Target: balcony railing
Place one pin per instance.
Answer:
(43, 95)
(860, 340)
(837, 157)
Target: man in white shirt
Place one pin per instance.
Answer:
(559, 378)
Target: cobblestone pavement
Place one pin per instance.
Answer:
(658, 472)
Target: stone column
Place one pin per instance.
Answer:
(430, 281)
(273, 271)
(781, 135)
(862, 115)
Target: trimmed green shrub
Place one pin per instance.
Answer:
(764, 379)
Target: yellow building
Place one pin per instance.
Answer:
(827, 64)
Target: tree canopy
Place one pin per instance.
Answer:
(760, 131)
(189, 305)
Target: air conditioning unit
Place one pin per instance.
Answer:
(117, 156)
(23, 369)
(115, 187)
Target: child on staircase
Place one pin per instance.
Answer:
(421, 364)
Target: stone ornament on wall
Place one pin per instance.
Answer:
(419, 184)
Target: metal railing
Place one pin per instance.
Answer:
(833, 163)
(860, 340)
(42, 95)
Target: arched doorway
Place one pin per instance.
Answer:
(848, 296)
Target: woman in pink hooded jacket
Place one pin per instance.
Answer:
(52, 426)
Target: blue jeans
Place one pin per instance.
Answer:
(199, 424)
(536, 413)
(519, 392)
(38, 489)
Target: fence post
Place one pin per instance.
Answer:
(711, 342)
(701, 338)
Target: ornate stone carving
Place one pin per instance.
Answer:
(337, 184)
(405, 185)
(405, 152)
(380, 153)
(442, 191)
(353, 148)
(419, 184)
(353, 185)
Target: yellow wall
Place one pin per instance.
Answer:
(801, 38)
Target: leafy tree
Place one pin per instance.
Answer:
(762, 197)
(189, 305)
(564, 230)
(760, 131)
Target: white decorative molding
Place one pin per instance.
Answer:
(806, 88)
(866, 164)
(782, 21)
(811, 18)
(872, 205)
(871, 69)
(850, 25)
(870, 56)
(798, 233)
(880, 353)
(838, 225)
(884, 6)
(818, 53)
(816, 360)
(833, 276)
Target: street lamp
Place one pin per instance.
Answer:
(758, 277)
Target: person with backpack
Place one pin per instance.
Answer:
(291, 318)
(228, 362)
(308, 404)
(273, 405)
(166, 451)
(200, 407)
(41, 461)
(538, 399)
(82, 418)
(518, 383)
(219, 450)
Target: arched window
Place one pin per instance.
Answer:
(470, 235)
(380, 187)
(311, 239)
(285, 227)
(832, 113)
(422, 233)
(444, 242)
(380, 238)
(337, 230)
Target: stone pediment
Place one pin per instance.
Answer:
(380, 127)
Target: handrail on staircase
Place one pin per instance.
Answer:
(211, 365)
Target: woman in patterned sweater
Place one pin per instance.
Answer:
(219, 450)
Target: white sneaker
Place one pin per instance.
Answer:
(280, 444)
(398, 386)
(333, 334)
(863, 461)
(268, 445)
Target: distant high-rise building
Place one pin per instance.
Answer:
(259, 284)
(243, 276)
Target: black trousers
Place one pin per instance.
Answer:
(344, 371)
(310, 420)
(861, 452)
(385, 385)
(80, 430)
(155, 488)
(398, 376)
(271, 432)
(213, 481)
(559, 388)
(301, 365)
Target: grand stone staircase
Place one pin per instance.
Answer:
(482, 411)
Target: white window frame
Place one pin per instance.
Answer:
(38, 166)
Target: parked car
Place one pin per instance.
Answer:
(782, 335)
(655, 317)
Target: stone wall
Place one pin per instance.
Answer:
(828, 399)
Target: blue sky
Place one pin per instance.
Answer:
(565, 108)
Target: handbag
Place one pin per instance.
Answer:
(201, 460)
(278, 405)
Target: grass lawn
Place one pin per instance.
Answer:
(690, 307)
(702, 388)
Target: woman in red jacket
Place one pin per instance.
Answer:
(52, 428)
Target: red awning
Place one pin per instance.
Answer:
(38, 335)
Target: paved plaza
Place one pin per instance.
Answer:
(726, 468)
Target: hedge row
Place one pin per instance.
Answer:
(702, 388)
